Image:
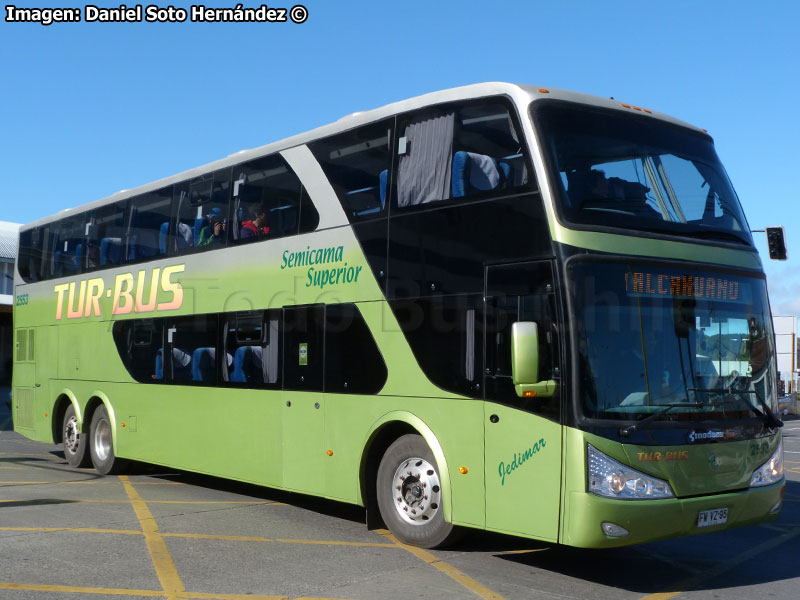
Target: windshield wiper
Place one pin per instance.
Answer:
(770, 419)
(667, 407)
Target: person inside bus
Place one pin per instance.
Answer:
(586, 186)
(256, 227)
(214, 231)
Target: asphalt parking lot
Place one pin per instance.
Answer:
(68, 534)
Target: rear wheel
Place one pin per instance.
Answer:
(101, 445)
(410, 494)
(74, 441)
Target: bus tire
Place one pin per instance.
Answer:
(410, 496)
(74, 441)
(101, 445)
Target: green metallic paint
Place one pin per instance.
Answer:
(524, 501)
(639, 246)
(243, 434)
(583, 512)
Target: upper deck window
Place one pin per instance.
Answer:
(266, 200)
(458, 151)
(638, 173)
(357, 166)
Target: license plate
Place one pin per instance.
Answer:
(717, 516)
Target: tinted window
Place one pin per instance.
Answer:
(357, 166)
(69, 254)
(148, 225)
(252, 339)
(266, 200)
(309, 217)
(35, 253)
(629, 171)
(140, 345)
(202, 212)
(105, 236)
(192, 350)
(353, 363)
(444, 251)
(303, 348)
(522, 292)
(445, 334)
(458, 151)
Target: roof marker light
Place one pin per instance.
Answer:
(544, 91)
(623, 105)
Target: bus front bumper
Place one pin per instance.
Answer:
(650, 520)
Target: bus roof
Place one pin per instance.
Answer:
(521, 94)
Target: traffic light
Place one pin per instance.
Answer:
(776, 243)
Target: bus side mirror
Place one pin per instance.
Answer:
(525, 362)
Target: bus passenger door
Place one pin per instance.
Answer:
(303, 410)
(522, 433)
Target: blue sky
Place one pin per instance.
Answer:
(92, 108)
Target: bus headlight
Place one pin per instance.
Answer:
(771, 471)
(612, 479)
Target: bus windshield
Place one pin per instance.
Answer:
(649, 336)
(638, 173)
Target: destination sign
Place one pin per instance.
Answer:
(683, 285)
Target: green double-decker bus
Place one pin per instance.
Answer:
(502, 307)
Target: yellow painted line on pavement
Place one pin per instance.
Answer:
(231, 596)
(29, 454)
(72, 529)
(203, 536)
(247, 597)
(240, 538)
(468, 582)
(162, 561)
(77, 482)
(95, 501)
(69, 589)
(722, 568)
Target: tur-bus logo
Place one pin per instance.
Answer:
(130, 294)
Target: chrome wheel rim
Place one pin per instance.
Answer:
(416, 491)
(102, 440)
(71, 435)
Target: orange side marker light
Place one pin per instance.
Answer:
(463, 470)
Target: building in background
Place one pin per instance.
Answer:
(786, 349)
(9, 234)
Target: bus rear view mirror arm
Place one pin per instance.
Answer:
(525, 362)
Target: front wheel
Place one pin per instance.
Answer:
(101, 446)
(74, 441)
(409, 494)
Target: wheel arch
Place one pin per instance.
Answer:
(63, 400)
(97, 399)
(382, 434)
